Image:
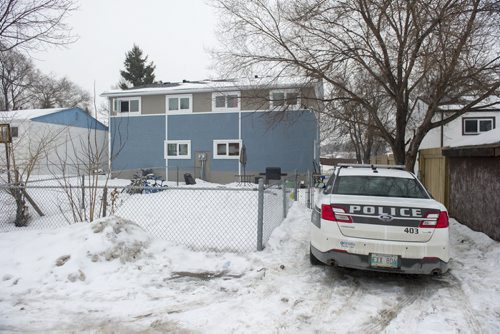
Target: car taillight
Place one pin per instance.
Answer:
(334, 213)
(442, 220)
(327, 212)
(435, 220)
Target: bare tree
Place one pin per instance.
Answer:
(438, 50)
(68, 153)
(351, 123)
(86, 155)
(78, 167)
(16, 77)
(23, 86)
(58, 93)
(33, 24)
(24, 156)
(353, 129)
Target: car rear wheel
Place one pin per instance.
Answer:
(314, 261)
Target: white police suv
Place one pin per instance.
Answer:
(379, 218)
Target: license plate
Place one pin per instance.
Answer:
(384, 261)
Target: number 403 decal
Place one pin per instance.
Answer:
(411, 230)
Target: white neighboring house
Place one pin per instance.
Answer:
(60, 141)
(482, 118)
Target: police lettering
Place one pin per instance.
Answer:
(384, 210)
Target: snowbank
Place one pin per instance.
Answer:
(111, 276)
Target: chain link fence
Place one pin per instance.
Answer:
(236, 219)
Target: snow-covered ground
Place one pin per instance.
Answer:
(111, 276)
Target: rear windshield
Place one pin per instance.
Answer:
(378, 186)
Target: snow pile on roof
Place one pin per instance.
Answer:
(27, 113)
(489, 137)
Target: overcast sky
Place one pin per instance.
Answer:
(175, 34)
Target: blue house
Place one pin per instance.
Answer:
(201, 128)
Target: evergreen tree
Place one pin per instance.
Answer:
(137, 72)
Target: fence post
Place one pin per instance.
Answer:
(260, 215)
(83, 193)
(177, 168)
(296, 190)
(285, 205)
(104, 201)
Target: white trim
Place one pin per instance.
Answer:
(227, 142)
(226, 94)
(285, 106)
(128, 113)
(239, 137)
(110, 109)
(314, 150)
(166, 138)
(177, 157)
(135, 115)
(179, 111)
(211, 112)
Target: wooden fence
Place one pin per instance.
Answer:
(474, 187)
(386, 159)
(433, 172)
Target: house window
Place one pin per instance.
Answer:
(126, 105)
(179, 103)
(227, 149)
(226, 101)
(178, 149)
(285, 99)
(14, 131)
(474, 126)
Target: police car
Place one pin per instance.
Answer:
(379, 218)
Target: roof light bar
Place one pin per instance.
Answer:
(401, 167)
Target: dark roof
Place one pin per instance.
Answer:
(156, 85)
(485, 150)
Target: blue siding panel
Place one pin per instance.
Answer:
(137, 142)
(72, 117)
(287, 143)
(274, 142)
(202, 130)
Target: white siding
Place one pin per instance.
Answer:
(58, 148)
(453, 130)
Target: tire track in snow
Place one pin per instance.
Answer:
(422, 289)
(410, 289)
(351, 295)
(461, 298)
(411, 293)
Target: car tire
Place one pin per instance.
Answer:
(314, 261)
